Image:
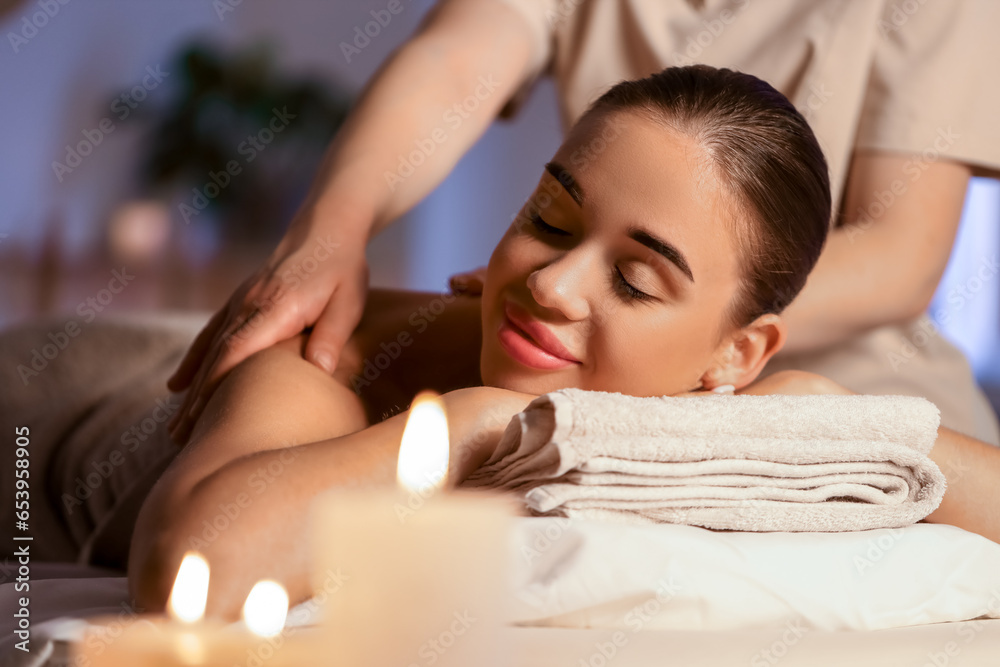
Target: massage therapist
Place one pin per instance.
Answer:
(893, 93)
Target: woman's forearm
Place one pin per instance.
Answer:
(883, 265)
(972, 470)
(250, 518)
(416, 102)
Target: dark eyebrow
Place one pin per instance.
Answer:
(672, 254)
(561, 174)
(662, 247)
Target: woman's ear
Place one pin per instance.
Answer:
(742, 356)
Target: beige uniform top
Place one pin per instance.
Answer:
(913, 76)
(867, 74)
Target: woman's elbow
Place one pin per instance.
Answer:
(166, 529)
(154, 558)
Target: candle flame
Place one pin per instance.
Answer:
(190, 591)
(266, 608)
(423, 454)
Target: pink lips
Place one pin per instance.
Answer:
(530, 342)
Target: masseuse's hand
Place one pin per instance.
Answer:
(469, 283)
(317, 279)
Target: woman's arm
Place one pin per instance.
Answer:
(971, 467)
(278, 432)
(895, 208)
(471, 49)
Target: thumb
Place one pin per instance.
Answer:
(333, 328)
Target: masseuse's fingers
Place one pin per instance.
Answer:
(338, 321)
(204, 347)
(259, 324)
(308, 277)
(196, 361)
(469, 283)
(180, 429)
(186, 370)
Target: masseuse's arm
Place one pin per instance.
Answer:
(884, 262)
(278, 432)
(471, 49)
(971, 467)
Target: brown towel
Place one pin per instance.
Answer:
(93, 396)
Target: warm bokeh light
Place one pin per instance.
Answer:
(190, 592)
(138, 231)
(266, 608)
(423, 454)
(190, 649)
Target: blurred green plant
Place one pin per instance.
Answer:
(222, 109)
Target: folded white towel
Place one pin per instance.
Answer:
(752, 463)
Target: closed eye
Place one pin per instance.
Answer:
(546, 228)
(627, 289)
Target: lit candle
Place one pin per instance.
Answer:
(424, 572)
(184, 637)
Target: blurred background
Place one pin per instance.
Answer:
(144, 136)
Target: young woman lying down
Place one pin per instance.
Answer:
(679, 218)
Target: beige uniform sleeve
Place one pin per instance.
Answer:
(932, 89)
(541, 18)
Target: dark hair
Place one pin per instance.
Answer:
(766, 155)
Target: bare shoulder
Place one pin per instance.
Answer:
(274, 399)
(405, 342)
(409, 341)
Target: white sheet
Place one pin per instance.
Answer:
(671, 577)
(696, 596)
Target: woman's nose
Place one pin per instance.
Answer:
(561, 285)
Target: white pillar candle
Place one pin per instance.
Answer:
(425, 577)
(184, 638)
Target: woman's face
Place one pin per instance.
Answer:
(618, 271)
